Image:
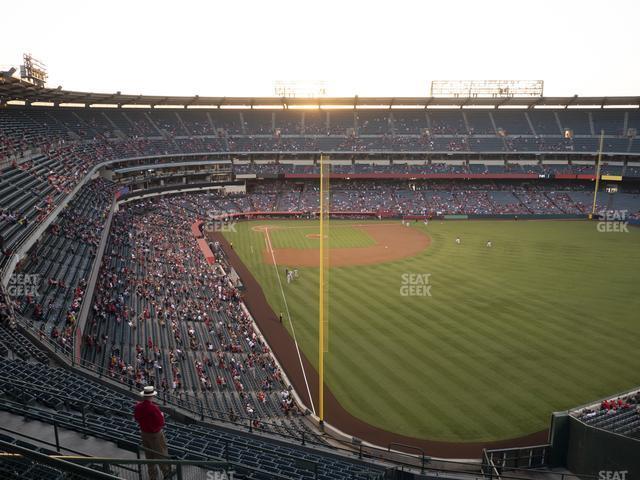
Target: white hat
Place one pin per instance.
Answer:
(149, 391)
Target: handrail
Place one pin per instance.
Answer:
(122, 462)
(330, 449)
(133, 447)
(116, 436)
(25, 386)
(57, 445)
(57, 463)
(511, 449)
(492, 468)
(418, 449)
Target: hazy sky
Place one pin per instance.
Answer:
(390, 48)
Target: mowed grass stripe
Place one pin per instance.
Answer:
(450, 370)
(360, 350)
(361, 390)
(555, 347)
(415, 375)
(543, 340)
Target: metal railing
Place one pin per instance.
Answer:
(423, 458)
(181, 469)
(391, 457)
(22, 460)
(488, 469)
(116, 436)
(86, 429)
(122, 468)
(60, 449)
(535, 456)
(520, 463)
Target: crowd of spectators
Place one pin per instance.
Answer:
(61, 259)
(434, 167)
(6, 312)
(152, 132)
(409, 198)
(163, 316)
(620, 415)
(55, 175)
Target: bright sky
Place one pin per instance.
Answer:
(369, 48)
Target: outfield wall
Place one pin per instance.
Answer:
(601, 453)
(533, 216)
(394, 215)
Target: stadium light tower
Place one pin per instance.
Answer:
(33, 71)
(300, 88)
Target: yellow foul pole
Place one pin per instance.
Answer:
(595, 192)
(321, 305)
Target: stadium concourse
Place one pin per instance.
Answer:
(126, 296)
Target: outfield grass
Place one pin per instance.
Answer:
(545, 320)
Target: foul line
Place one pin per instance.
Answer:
(286, 306)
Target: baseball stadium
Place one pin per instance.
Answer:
(318, 287)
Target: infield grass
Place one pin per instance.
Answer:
(307, 236)
(545, 320)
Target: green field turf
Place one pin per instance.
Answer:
(545, 320)
(339, 237)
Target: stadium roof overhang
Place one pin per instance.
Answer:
(15, 90)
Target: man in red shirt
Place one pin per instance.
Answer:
(151, 421)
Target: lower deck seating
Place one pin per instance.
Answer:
(620, 415)
(164, 316)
